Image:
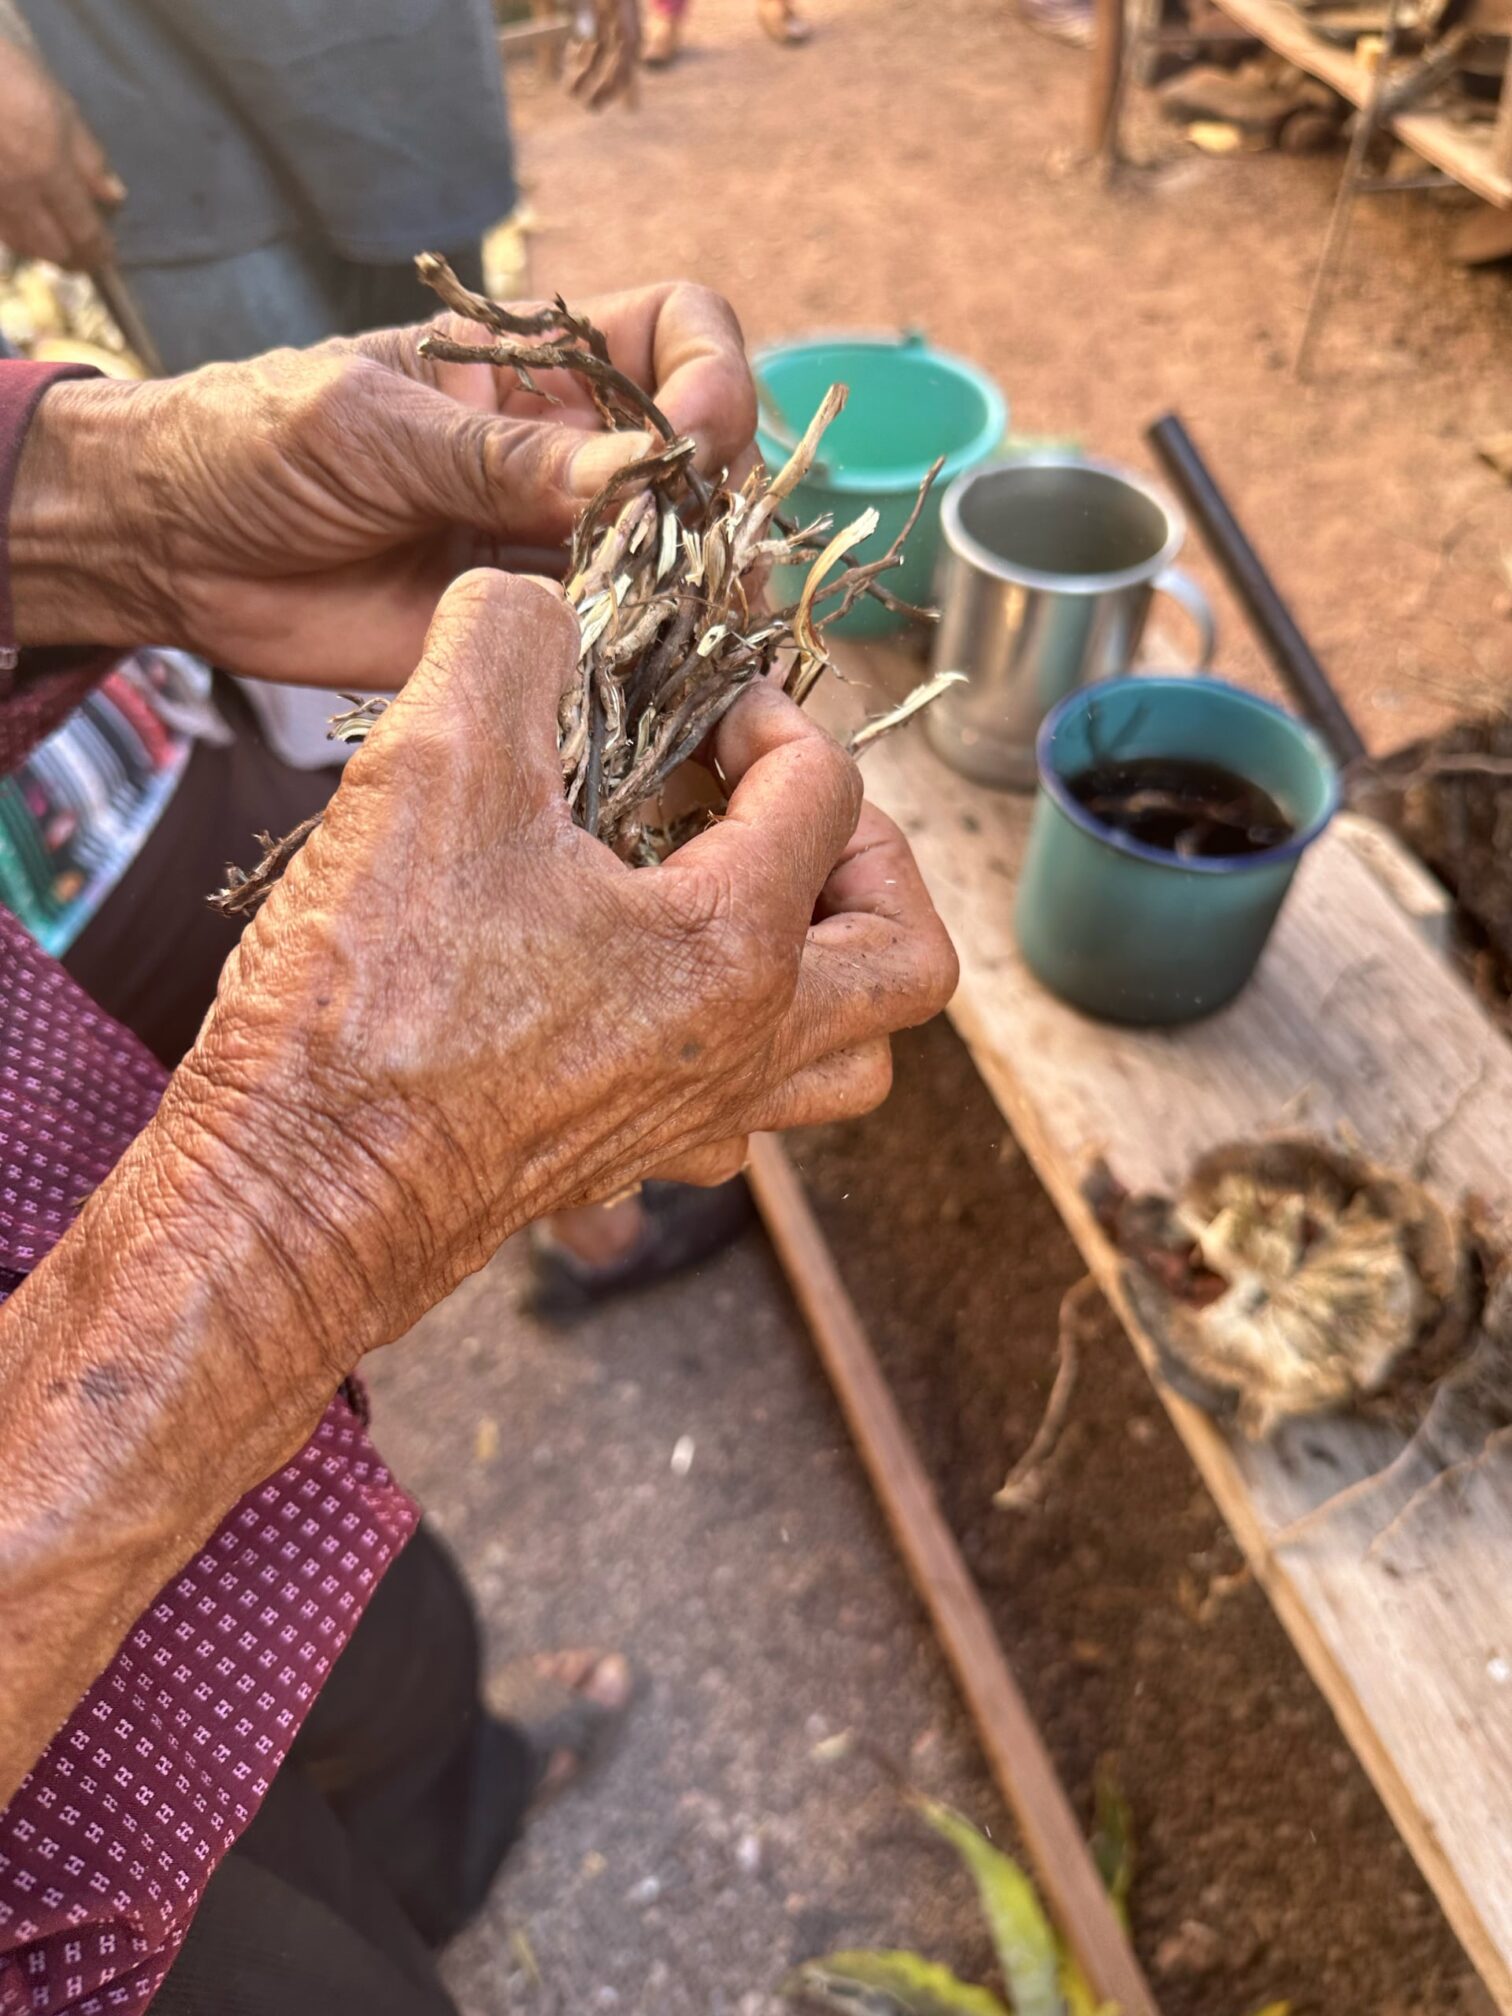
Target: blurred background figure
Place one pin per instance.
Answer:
(666, 19)
(329, 145)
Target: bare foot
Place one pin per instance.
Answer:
(782, 22)
(599, 1234)
(659, 43)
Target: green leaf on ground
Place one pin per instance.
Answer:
(888, 1984)
(1113, 1843)
(1027, 1949)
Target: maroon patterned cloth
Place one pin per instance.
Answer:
(107, 1847)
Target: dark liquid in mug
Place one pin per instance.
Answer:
(1190, 809)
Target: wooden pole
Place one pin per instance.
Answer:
(1366, 126)
(1017, 1755)
(1501, 136)
(1107, 80)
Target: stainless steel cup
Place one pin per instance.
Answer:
(1045, 582)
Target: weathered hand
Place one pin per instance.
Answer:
(54, 178)
(455, 1013)
(298, 516)
(458, 1012)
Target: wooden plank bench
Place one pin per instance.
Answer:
(1398, 1599)
(1477, 156)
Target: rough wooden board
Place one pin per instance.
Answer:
(1468, 153)
(1414, 889)
(1353, 1028)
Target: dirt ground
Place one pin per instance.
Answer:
(757, 1595)
(762, 1604)
(915, 166)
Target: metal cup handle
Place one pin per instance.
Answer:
(1184, 591)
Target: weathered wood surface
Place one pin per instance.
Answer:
(1399, 1599)
(1479, 157)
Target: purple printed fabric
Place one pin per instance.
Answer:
(107, 1847)
(75, 1089)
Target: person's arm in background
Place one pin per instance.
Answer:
(457, 1012)
(56, 186)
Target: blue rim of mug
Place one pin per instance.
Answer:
(1053, 784)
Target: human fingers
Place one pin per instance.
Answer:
(482, 703)
(682, 343)
(792, 808)
(708, 1166)
(522, 480)
(841, 1086)
(93, 166)
(874, 875)
(66, 197)
(878, 958)
(30, 230)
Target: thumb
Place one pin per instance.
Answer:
(542, 473)
(481, 706)
(523, 481)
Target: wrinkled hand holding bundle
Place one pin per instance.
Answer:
(665, 576)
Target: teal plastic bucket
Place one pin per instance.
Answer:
(908, 403)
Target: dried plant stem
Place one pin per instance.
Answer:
(920, 698)
(245, 892)
(1026, 1482)
(671, 629)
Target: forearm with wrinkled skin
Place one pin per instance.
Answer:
(174, 1349)
(82, 521)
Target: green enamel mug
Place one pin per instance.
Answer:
(1129, 932)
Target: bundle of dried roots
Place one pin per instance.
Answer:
(664, 573)
(1289, 1278)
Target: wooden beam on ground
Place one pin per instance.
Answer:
(1020, 1763)
(1394, 1589)
(1501, 136)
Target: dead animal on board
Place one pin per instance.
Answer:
(1289, 1278)
(664, 575)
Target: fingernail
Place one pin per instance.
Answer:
(600, 456)
(115, 189)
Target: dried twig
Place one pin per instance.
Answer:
(920, 698)
(245, 891)
(671, 629)
(1026, 1482)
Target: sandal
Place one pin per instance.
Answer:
(568, 1706)
(683, 1227)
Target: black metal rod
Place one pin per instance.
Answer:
(1292, 655)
